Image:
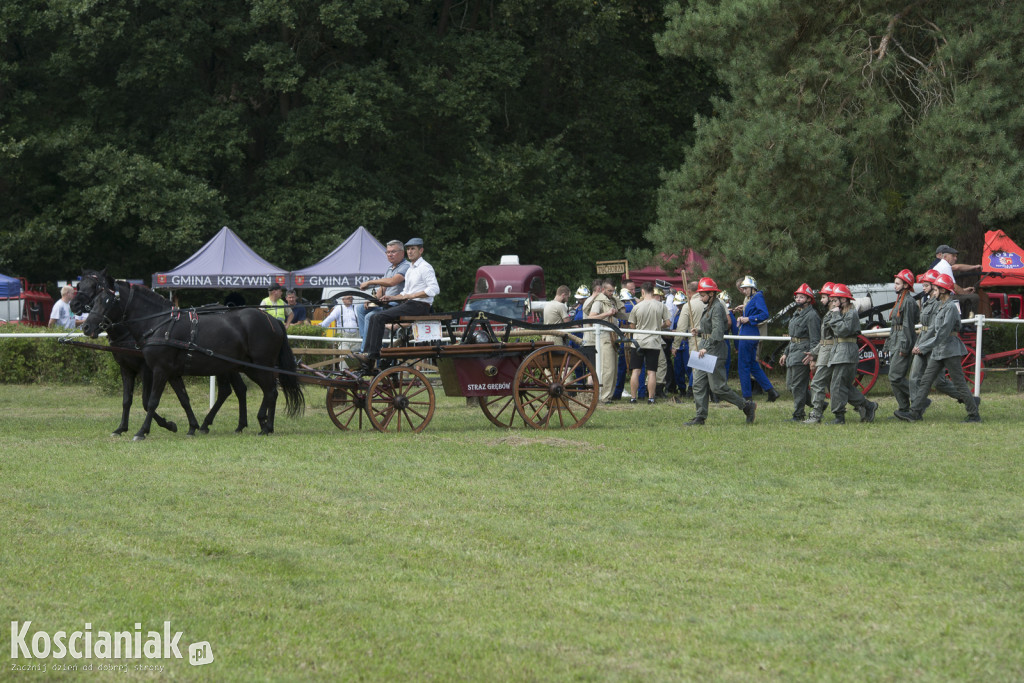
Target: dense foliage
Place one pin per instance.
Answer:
(131, 132)
(854, 138)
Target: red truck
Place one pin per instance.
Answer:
(507, 289)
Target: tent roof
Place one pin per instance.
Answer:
(360, 257)
(693, 262)
(10, 287)
(1002, 263)
(225, 262)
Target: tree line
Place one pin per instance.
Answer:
(791, 139)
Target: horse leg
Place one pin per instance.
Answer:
(159, 382)
(127, 395)
(243, 411)
(223, 391)
(147, 391)
(268, 384)
(178, 384)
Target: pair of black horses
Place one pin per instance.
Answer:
(177, 342)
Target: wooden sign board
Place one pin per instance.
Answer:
(620, 267)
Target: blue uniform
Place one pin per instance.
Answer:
(757, 311)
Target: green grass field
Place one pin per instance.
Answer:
(631, 549)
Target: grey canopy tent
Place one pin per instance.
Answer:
(225, 262)
(360, 257)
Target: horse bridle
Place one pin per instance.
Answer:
(112, 295)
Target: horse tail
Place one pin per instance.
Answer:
(295, 400)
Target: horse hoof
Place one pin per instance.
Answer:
(116, 433)
(239, 430)
(204, 430)
(172, 427)
(139, 437)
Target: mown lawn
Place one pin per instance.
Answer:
(632, 549)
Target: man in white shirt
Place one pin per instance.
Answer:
(415, 299)
(947, 263)
(61, 315)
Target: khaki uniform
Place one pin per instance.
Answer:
(946, 352)
(902, 337)
(555, 313)
(917, 390)
(804, 334)
(714, 324)
(606, 343)
(843, 362)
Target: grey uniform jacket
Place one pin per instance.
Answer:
(826, 340)
(804, 332)
(928, 309)
(903, 332)
(942, 341)
(714, 323)
(845, 327)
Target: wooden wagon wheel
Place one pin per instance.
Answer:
(500, 410)
(867, 366)
(547, 391)
(400, 399)
(968, 365)
(344, 403)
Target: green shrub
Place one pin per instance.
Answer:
(24, 360)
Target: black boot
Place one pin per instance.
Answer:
(773, 395)
(695, 422)
(908, 415)
(839, 419)
(749, 409)
(869, 412)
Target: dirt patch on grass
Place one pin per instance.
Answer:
(517, 440)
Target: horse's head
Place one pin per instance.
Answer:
(88, 288)
(97, 295)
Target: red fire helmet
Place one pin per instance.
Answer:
(841, 291)
(944, 281)
(826, 289)
(930, 276)
(906, 276)
(706, 284)
(805, 290)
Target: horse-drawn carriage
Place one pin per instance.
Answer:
(540, 383)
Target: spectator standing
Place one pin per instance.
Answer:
(273, 305)
(61, 315)
(343, 318)
(556, 312)
(297, 313)
(649, 314)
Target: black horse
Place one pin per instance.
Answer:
(133, 367)
(178, 342)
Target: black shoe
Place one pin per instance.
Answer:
(650, 401)
(869, 412)
(632, 400)
(773, 395)
(908, 415)
(797, 418)
(749, 409)
(839, 419)
(973, 418)
(695, 422)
